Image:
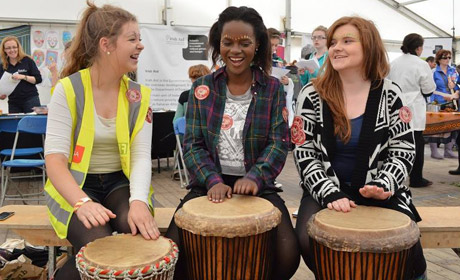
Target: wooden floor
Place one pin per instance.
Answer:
(443, 264)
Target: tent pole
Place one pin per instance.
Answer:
(287, 27)
(167, 12)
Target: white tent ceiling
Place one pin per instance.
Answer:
(305, 14)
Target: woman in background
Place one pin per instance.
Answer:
(14, 61)
(318, 38)
(445, 78)
(415, 78)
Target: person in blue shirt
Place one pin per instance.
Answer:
(445, 77)
(318, 38)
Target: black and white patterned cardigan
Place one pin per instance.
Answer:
(385, 152)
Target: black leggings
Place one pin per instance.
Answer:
(308, 207)
(287, 256)
(78, 235)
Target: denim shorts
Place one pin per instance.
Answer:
(99, 186)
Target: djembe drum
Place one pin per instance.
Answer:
(229, 240)
(127, 257)
(367, 243)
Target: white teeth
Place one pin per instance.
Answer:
(236, 59)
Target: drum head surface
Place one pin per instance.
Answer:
(242, 215)
(364, 218)
(370, 229)
(125, 251)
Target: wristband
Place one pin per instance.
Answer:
(80, 202)
(25, 78)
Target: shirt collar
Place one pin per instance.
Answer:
(258, 75)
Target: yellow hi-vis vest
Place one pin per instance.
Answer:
(131, 114)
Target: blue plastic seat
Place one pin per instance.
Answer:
(28, 124)
(11, 126)
(179, 130)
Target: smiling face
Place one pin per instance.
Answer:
(345, 50)
(11, 49)
(237, 46)
(128, 47)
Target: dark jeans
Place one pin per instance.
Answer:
(416, 174)
(100, 186)
(23, 106)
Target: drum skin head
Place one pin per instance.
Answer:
(125, 251)
(364, 229)
(239, 216)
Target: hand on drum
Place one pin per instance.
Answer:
(140, 218)
(93, 214)
(218, 192)
(245, 186)
(370, 191)
(342, 205)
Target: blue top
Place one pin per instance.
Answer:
(344, 161)
(306, 77)
(441, 81)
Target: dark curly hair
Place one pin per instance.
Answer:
(262, 57)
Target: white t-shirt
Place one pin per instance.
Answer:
(58, 135)
(230, 147)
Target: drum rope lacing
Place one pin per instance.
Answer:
(166, 264)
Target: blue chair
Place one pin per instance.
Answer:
(11, 126)
(28, 124)
(179, 130)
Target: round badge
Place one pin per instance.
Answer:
(298, 136)
(227, 122)
(285, 114)
(405, 114)
(149, 116)
(133, 95)
(201, 92)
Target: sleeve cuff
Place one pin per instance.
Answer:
(257, 180)
(333, 197)
(213, 180)
(131, 199)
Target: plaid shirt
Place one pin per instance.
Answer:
(265, 133)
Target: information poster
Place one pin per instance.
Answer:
(163, 65)
(432, 45)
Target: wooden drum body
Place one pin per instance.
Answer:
(230, 240)
(128, 257)
(368, 243)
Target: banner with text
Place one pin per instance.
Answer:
(163, 64)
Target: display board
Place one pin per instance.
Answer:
(163, 64)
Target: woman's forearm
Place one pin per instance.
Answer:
(60, 176)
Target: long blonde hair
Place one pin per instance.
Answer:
(374, 67)
(106, 21)
(21, 53)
